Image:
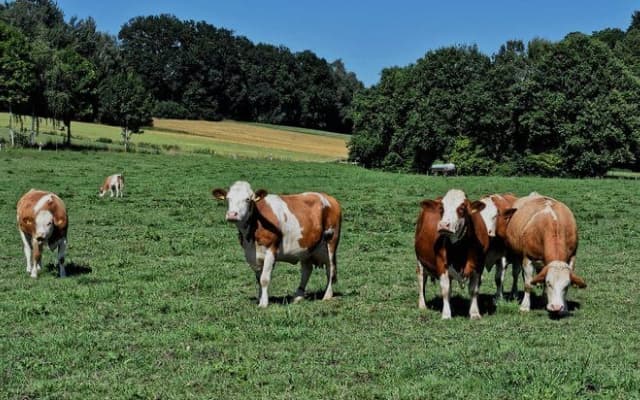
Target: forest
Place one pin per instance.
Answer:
(565, 108)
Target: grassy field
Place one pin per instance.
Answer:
(227, 138)
(161, 304)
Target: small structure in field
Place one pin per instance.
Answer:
(443, 169)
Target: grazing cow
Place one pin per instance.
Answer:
(540, 228)
(301, 227)
(42, 219)
(451, 240)
(497, 254)
(113, 183)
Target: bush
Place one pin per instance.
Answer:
(104, 140)
(543, 164)
(170, 109)
(469, 158)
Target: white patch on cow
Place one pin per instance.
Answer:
(450, 220)
(489, 215)
(323, 199)
(289, 225)
(556, 284)
(239, 199)
(42, 202)
(44, 224)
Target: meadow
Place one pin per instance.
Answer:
(160, 303)
(226, 138)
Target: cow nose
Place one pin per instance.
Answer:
(232, 216)
(444, 227)
(555, 308)
(39, 239)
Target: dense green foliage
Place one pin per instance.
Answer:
(161, 303)
(565, 108)
(69, 70)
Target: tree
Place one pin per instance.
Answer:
(125, 103)
(71, 86)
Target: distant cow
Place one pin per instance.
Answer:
(42, 219)
(113, 183)
(451, 240)
(497, 254)
(302, 227)
(540, 228)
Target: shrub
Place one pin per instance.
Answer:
(170, 109)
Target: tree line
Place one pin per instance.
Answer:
(160, 66)
(567, 108)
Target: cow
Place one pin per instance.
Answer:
(42, 219)
(451, 240)
(293, 228)
(112, 183)
(538, 228)
(497, 254)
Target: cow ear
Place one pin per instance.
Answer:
(59, 222)
(428, 204)
(541, 276)
(27, 221)
(508, 213)
(259, 195)
(476, 206)
(577, 281)
(219, 194)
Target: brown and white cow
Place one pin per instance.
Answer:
(42, 219)
(300, 227)
(497, 254)
(451, 240)
(540, 228)
(112, 183)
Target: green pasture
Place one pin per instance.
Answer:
(160, 303)
(157, 140)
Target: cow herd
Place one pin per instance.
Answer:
(455, 238)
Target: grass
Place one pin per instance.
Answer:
(228, 138)
(162, 305)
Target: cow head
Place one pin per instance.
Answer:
(101, 191)
(240, 199)
(44, 226)
(557, 276)
(489, 215)
(505, 212)
(454, 208)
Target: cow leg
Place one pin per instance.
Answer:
(527, 268)
(332, 277)
(265, 278)
(444, 287)
(62, 248)
(422, 279)
(515, 272)
(474, 289)
(27, 250)
(306, 267)
(111, 191)
(36, 254)
(501, 265)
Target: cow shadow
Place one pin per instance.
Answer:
(71, 268)
(460, 305)
(539, 302)
(288, 299)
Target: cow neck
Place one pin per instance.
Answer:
(248, 228)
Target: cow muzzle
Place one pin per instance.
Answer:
(232, 216)
(40, 239)
(557, 309)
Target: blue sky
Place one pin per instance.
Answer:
(371, 35)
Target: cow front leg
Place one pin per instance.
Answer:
(527, 269)
(306, 267)
(422, 278)
(265, 278)
(27, 250)
(62, 249)
(474, 289)
(36, 260)
(445, 284)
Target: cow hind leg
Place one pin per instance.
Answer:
(265, 278)
(422, 278)
(27, 250)
(332, 276)
(306, 268)
(501, 265)
(515, 272)
(62, 249)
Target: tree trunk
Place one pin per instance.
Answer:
(68, 124)
(33, 129)
(11, 134)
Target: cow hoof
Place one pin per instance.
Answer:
(446, 317)
(475, 316)
(298, 299)
(422, 306)
(327, 297)
(262, 305)
(524, 309)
